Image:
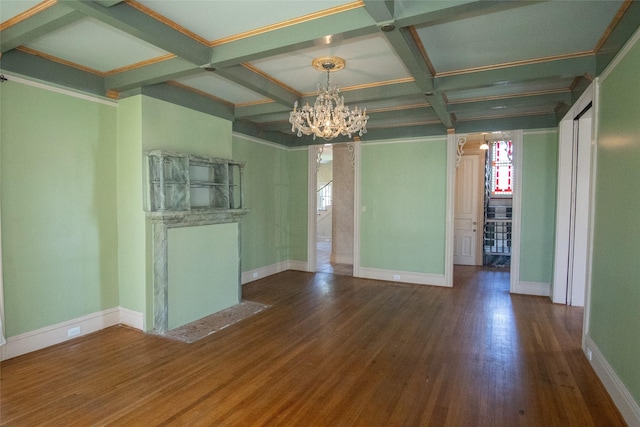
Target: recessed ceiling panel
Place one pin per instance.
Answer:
(505, 112)
(537, 30)
(368, 60)
(395, 103)
(214, 20)
(95, 45)
(510, 89)
(12, 8)
(221, 88)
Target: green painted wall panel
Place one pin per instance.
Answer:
(132, 248)
(615, 289)
(59, 226)
(297, 205)
(174, 128)
(403, 201)
(263, 242)
(539, 183)
(203, 271)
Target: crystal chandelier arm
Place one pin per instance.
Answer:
(329, 117)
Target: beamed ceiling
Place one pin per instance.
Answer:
(420, 67)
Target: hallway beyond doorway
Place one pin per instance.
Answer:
(323, 260)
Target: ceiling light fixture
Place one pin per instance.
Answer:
(329, 117)
(484, 145)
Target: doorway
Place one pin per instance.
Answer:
(573, 229)
(484, 201)
(334, 211)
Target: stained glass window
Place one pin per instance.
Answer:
(501, 168)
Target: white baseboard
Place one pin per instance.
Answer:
(403, 276)
(626, 404)
(135, 319)
(533, 288)
(298, 265)
(55, 334)
(267, 270)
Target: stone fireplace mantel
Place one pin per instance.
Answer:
(160, 223)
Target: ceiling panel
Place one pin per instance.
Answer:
(500, 112)
(91, 43)
(538, 30)
(218, 19)
(11, 8)
(222, 88)
(508, 89)
(369, 59)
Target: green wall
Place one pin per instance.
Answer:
(132, 247)
(145, 124)
(264, 239)
(403, 199)
(615, 287)
(59, 227)
(166, 126)
(538, 209)
(275, 230)
(297, 204)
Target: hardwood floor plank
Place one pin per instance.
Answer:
(330, 351)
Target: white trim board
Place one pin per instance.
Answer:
(270, 270)
(532, 288)
(619, 393)
(516, 202)
(58, 333)
(403, 276)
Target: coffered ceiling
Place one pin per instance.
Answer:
(420, 67)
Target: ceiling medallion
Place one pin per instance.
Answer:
(328, 118)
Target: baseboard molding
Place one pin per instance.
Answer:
(258, 273)
(267, 270)
(131, 318)
(298, 265)
(626, 404)
(55, 334)
(402, 276)
(533, 288)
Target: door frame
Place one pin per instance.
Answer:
(563, 208)
(455, 144)
(312, 226)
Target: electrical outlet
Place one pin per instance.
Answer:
(396, 277)
(72, 332)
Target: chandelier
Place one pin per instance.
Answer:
(328, 118)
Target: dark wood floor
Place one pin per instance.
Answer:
(330, 351)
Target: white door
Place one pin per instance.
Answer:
(573, 201)
(580, 225)
(465, 229)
